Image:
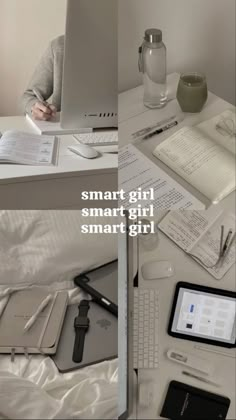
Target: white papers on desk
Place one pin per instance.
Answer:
(136, 172)
(28, 149)
(198, 233)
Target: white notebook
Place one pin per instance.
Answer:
(54, 127)
(137, 172)
(202, 157)
(44, 335)
(28, 149)
(198, 233)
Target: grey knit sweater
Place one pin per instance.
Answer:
(47, 78)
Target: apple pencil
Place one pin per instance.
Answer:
(222, 353)
(200, 378)
(40, 309)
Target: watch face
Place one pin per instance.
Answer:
(81, 322)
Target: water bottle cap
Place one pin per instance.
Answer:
(153, 35)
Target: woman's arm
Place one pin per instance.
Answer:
(42, 81)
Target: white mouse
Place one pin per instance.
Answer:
(152, 270)
(83, 150)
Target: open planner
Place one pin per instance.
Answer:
(204, 156)
(198, 233)
(28, 149)
(43, 336)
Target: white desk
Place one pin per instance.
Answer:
(133, 116)
(36, 187)
(186, 269)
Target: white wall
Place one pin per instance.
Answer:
(26, 28)
(199, 35)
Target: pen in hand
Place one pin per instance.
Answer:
(50, 108)
(40, 309)
(40, 98)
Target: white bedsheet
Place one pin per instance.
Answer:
(46, 248)
(35, 390)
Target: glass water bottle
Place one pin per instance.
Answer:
(152, 63)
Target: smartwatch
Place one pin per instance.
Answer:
(81, 325)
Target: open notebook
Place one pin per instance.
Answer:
(28, 149)
(44, 335)
(203, 156)
(198, 233)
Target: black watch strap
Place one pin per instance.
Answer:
(81, 325)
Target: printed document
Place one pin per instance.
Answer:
(199, 232)
(136, 172)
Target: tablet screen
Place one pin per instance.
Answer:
(205, 315)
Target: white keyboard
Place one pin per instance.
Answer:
(145, 328)
(105, 138)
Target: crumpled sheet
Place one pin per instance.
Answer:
(47, 249)
(34, 389)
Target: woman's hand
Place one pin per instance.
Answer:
(43, 112)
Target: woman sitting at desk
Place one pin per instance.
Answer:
(46, 82)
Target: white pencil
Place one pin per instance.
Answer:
(34, 317)
(199, 378)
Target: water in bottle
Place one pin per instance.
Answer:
(152, 63)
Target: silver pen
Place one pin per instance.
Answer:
(148, 130)
(221, 239)
(40, 98)
(199, 378)
(227, 241)
(160, 130)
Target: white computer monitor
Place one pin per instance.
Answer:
(128, 271)
(89, 88)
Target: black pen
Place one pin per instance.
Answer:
(96, 296)
(160, 130)
(226, 244)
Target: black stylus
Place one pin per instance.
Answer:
(97, 297)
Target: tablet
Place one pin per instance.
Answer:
(103, 326)
(103, 279)
(203, 314)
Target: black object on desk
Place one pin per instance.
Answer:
(187, 402)
(189, 300)
(100, 324)
(82, 281)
